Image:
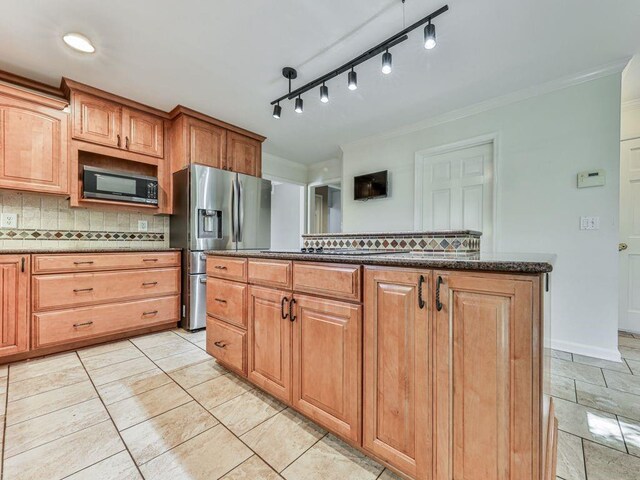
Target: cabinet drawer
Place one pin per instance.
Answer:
(76, 289)
(229, 268)
(271, 273)
(64, 326)
(227, 301)
(61, 263)
(228, 344)
(329, 280)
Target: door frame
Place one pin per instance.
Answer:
(421, 157)
(311, 199)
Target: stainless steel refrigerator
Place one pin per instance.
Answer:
(214, 210)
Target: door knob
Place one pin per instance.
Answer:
(622, 246)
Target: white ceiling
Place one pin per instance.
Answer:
(224, 57)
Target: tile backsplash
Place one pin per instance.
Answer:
(48, 222)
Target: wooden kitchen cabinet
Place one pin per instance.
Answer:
(96, 120)
(33, 143)
(14, 303)
(486, 386)
(206, 144)
(327, 363)
(244, 155)
(397, 421)
(143, 132)
(269, 339)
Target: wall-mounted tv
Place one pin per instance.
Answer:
(372, 185)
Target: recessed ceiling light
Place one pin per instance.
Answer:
(79, 42)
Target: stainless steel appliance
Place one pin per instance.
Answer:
(119, 186)
(214, 210)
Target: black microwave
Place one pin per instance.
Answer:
(119, 186)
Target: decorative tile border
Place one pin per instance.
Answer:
(449, 242)
(75, 235)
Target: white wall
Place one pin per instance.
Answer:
(543, 142)
(323, 171)
(287, 220)
(278, 168)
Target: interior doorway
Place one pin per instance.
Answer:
(325, 207)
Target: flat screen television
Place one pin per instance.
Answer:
(372, 185)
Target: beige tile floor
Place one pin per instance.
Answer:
(598, 409)
(158, 407)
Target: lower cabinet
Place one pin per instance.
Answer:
(487, 384)
(269, 335)
(14, 304)
(397, 422)
(327, 363)
(228, 344)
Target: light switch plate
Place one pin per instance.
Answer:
(143, 225)
(9, 220)
(589, 223)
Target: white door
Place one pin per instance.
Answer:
(455, 191)
(630, 235)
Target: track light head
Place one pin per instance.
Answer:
(324, 93)
(430, 36)
(353, 80)
(277, 110)
(299, 105)
(387, 62)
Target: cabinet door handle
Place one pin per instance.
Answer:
(118, 137)
(126, 142)
(420, 299)
(90, 262)
(292, 317)
(153, 312)
(22, 265)
(283, 314)
(220, 344)
(78, 290)
(83, 324)
(149, 259)
(220, 267)
(438, 302)
(146, 284)
(220, 300)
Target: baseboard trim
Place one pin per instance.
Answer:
(582, 349)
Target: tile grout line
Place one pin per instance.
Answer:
(110, 418)
(584, 459)
(4, 426)
(89, 466)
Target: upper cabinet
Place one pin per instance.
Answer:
(105, 122)
(244, 154)
(33, 142)
(196, 138)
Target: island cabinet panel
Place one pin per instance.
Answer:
(327, 280)
(227, 268)
(14, 304)
(327, 366)
(269, 335)
(227, 301)
(397, 423)
(97, 120)
(270, 273)
(228, 344)
(33, 147)
(484, 379)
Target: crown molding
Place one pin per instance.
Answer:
(501, 101)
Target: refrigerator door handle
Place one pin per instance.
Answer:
(233, 210)
(240, 210)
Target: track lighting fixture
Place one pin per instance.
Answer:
(352, 77)
(277, 110)
(429, 36)
(386, 62)
(352, 80)
(324, 93)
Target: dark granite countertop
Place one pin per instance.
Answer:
(26, 250)
(488, 262)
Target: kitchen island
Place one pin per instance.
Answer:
(433, 364)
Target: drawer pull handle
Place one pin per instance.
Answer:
(221, 300)
(89, 262)
(154, 312)
(149, 259)
(145, 284)
(78, 290)
(220, 344)
(84, 324)
(220, 267)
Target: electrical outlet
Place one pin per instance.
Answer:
(9, 220)
(142, 225)
(589, 223)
